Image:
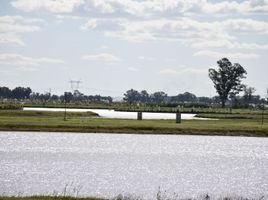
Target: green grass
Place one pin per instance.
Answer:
(83, 122)
(20, 113)
(10, 106)
(253, 116)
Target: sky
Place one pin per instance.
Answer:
(111, 46)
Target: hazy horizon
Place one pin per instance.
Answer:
(112, 46)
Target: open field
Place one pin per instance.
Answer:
(84, 122)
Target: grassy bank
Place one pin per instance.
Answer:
(236, 116)
(25, 113)
(13, 106)
(84, 122)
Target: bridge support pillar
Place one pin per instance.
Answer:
(139, 116)
(178, 117)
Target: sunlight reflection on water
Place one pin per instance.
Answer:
(109, 164)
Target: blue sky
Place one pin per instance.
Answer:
(115, 45)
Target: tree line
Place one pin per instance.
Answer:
(23, 93)
(16, 93)
(247, 99)
(132, 96)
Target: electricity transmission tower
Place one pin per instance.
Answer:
(74, 85)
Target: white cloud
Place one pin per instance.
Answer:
(19, 60)
(10, 38)
(103, 5)
(246, 25)
(224, 34)
(219, 55)
(103, 24)
(145, 8)
(11, 28)
(61, 18)
(102, 57)
(90, 24)
(258, 5)
(59, 6)
(157, 20)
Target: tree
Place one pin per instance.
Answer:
(185, 97)
(158, 97)
(21, 93)
(205, 100)
(227, 79)
(132, 96)
(5, 92)
(248, 95)
(67, 97)
(144, 96)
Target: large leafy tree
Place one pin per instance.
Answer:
(227, 79)
(132, 96)
(158, 97)
(144, 96)
(21, 93)
(5, 92)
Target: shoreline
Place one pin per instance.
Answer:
(216, 132)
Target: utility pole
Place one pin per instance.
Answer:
(65, 106)
(262, 115)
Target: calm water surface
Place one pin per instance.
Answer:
(109, 164)
(105, 113)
